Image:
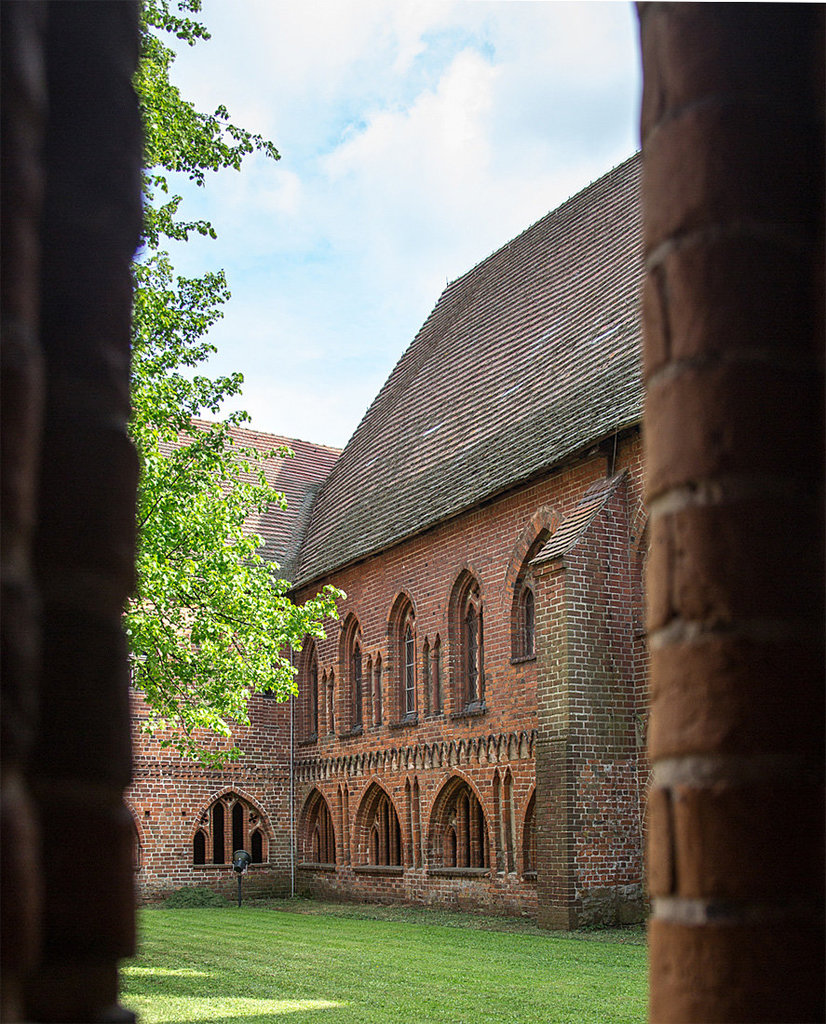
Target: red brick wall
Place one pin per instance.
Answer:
(590, 795)
(169, 796)
(604, 836)
(606, 818)
(492, 748)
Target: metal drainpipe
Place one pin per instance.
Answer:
(292, 793)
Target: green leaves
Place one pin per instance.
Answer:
(178, 137)
(211, 623)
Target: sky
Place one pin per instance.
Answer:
(416, 138)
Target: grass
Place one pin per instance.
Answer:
(341, 964)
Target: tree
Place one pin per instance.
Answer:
(211, 622)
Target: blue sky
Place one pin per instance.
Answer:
(415, 139)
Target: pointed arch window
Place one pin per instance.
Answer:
(316, 834)
(330, 690)
(526, 623)
(378, 831)
(324, 847)
(352, 668)
(257, 846)
(218, 837)
(238, 817)
(523, 608)
(473, 629)
(405, 644)
(230, 823)
(356, 670)
(314, 695)
(311, 684)
(436, 675)
(199, 847)
(460, 830)
(307, 704)
(377, 695)
(409, 670)
(470, 634)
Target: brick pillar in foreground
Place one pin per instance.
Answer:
(733, 188)
(71, 222)
(84, 545)
(24, 102)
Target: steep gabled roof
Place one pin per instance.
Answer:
(298, 478)
(528, 358)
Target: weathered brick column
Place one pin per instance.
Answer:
(24, 100)
(733, 189)
(555, 783)
(71, 204)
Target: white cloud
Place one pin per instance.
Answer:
(416, 138)
(432, 154)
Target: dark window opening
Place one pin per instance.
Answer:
(237, 826)
(471, 654)
(357, 694)
(321, 848)
(385, 835)
(464, 842)
(218, 856)
(409, 671)
(437, 676)
(527, 624)
(256, 847)
(377, 709)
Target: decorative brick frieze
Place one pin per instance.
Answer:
(479, 750)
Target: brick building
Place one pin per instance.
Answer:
(732, 197)
(470, 732)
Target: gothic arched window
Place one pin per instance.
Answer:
(308, 693)
(199, 847)
(526, 623)
(404, 641)
(459, 832)
(230, 823)
(467, 635)
(523, 608)
(409, 667)
(378, 831)
(356, 682)
(316, 834)
(352, 666)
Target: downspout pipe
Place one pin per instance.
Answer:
(292, 790)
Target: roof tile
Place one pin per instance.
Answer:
(526, 359)
(298, 478)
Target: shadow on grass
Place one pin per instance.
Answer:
(255, 964)
(633, 935)
(185, 996)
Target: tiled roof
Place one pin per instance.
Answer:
(576, 523)
(528, 358)
(298, 478)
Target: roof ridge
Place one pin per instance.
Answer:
(526, 359)
(580, 194)
(200, 421)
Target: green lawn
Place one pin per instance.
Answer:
(254, 964)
